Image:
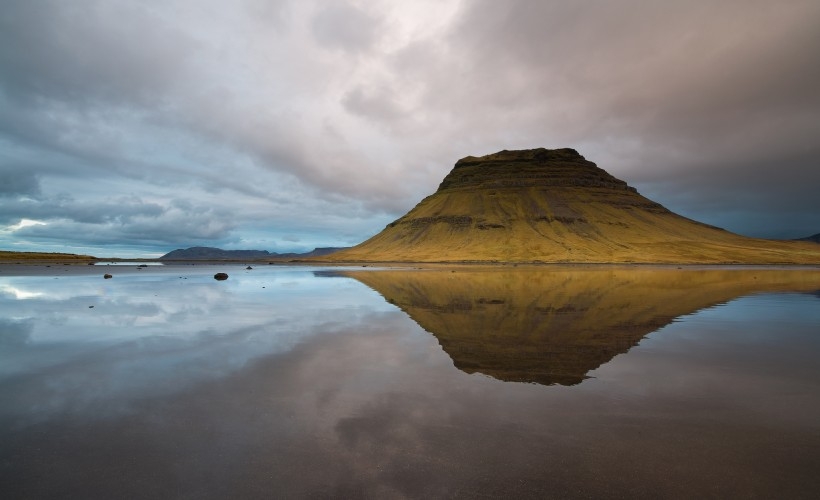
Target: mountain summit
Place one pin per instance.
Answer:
(543, 205)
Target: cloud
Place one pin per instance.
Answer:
(340, 25)
(305, 113)
(16, 182)
(91, 51)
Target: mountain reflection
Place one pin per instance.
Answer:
(554, 325)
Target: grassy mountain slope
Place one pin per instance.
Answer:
(555, 206)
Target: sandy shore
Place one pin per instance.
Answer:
(84, 269)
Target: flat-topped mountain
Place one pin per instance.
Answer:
(542, 205)
(211, 253)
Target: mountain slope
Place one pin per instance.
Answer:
(555, 206)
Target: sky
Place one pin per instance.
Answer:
(131, 128)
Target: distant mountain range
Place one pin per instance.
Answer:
(815, 238)
(210, 253)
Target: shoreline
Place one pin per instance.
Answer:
(45, 268)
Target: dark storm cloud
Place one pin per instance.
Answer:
(15, 182)
(336, 117)
(77, 51)
(171, 228)
(121, 210)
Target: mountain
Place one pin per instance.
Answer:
(814, 238)
(554, 325)
(543, 205)
(316, 252)
(210, 253)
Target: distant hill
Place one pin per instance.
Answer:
(210, 253)
(542, 205)
(207, 253)
(316, 252)
(815, 238)
(8, 256)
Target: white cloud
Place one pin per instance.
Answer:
(25, 223)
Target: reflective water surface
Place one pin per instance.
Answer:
(306, 382)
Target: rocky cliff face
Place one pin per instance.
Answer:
(541, 168)
(542, 205)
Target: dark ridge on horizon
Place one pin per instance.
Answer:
(813, 238)
(212, 253)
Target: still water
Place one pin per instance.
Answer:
(290, 382)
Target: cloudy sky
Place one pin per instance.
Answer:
(130, 128)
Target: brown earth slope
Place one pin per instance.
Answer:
(554, 325)
(555, 206)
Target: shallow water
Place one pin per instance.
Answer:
(297, 382)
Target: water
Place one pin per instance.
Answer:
(305, 382)
(127, 263)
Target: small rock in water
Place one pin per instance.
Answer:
(91, 307)
(220, 276)
(107, 276)
(249, 267)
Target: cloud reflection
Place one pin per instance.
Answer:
(151, 334)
